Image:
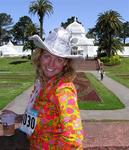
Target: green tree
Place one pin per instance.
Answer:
(125, 31)
(5, 24)
(41, 8)
(108, 27)
(20, 29)
(69, 21)
(30, 30)
(92, 34)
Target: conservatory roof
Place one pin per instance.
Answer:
(76, 27)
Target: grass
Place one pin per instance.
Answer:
(108, 100)
(120, 72)
(16, 75)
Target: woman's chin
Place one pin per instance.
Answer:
(49, 75)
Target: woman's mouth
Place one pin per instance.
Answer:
(49, 69)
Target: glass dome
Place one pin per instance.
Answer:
(75, 27)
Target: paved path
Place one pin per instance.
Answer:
(121, 92)
(19, 104)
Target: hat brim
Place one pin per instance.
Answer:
(41, 44)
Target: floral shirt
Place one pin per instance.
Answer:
(59, 124)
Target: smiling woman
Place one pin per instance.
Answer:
(54, 98)
(52, 65)
(52, 118)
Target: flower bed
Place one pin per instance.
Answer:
(84, 89)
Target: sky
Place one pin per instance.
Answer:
(86, 11)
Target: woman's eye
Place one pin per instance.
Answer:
(60, 60)
(46, 56)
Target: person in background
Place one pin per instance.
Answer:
(101, 69)
(101, 73)
(52, 118)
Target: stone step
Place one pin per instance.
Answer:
(106, 135)
(88, 64)
(107, 148)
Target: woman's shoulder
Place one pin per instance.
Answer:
(65, 83)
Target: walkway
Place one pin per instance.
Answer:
(19, 104)
(121, 92)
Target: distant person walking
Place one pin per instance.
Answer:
(101, 74)
(101, 69)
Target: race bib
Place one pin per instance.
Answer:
(29, 121)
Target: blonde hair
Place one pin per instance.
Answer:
(68, 71)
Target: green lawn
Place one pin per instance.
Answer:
(16, 75)
(120, 72)
(108, 100)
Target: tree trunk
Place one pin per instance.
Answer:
(41, 27)
(124, 40)
(110, 44)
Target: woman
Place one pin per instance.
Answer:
(52, 118)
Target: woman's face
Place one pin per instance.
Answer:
(51, 64)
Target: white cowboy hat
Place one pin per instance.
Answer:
(57, 43)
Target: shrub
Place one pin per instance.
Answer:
(105, 59)
(113, 60)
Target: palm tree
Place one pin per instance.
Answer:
(41, 8)
(108, 26)
(125, 31)
(32, 29)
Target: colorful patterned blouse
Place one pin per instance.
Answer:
(59, 124)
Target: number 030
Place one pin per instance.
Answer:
(29, 121)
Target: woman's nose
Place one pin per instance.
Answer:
(52, 63)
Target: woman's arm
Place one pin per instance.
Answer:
(18, 117)
(69, 114)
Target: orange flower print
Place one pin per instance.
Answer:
(73, 117)
(69, 110)
(70, 128)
